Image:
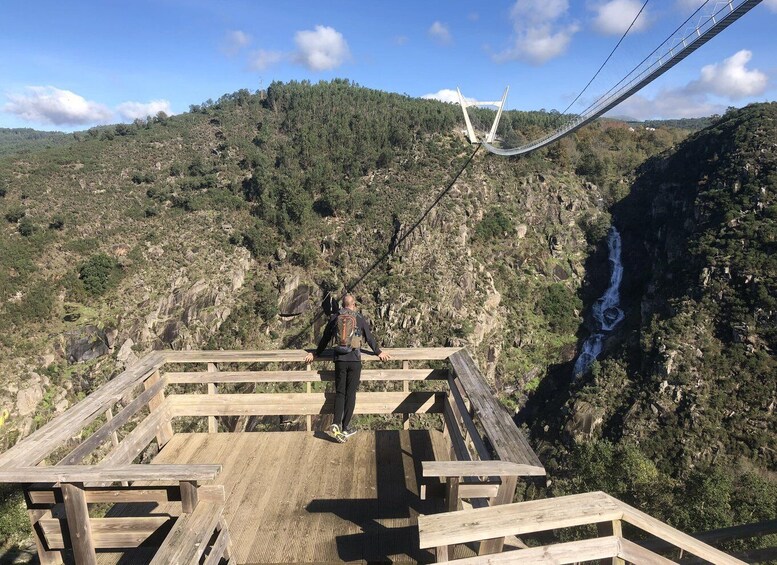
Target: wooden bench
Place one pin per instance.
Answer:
(447, 529)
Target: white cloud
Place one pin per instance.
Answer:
(401, 40)
(473, 16)
(321, 49)
(234, 41)
(540, 31)
(615, 16)
(50, 105)
(731, 78)
(140, 110)
(667, 104)
(262, 59)
(447, 95)
(772, 4)
(439, 32)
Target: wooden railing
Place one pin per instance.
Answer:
(442, 531)
(118, 422)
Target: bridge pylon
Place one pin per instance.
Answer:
(499, 105)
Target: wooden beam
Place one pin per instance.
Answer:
(165, 430)
(298, 356)
(189, 497)
(478, 469)
(675, 537)
(203, 377)
(108, 430)
(88, 473)
(138, 439)
(79, 524)
(46, 553)
(36, 447)
(631, 552)
(132, 494)
(462, 415)
(519, 518)
(189, 538)
(212, 424)
(280, 404)
(109, 533)
(504, 496)
(219, 548)
(560, 553)
(508, 441)
(453, 432)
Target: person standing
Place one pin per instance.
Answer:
(348, 328)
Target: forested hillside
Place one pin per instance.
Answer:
(225, 226)
(17, 140)
(680, 416)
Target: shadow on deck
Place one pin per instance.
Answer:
(300, 497)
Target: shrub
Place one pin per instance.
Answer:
(558, 305)
(99, 274)
(494, 224)
(26, 227)
(57, 222)
(15, 214)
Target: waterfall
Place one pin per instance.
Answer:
(606, 311)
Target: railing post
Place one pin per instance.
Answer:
(504, 495)
(189, 496)
(78, 523)
(308, 389)
(165, 432)
(406, 389)
(611, 529)
(212, 424)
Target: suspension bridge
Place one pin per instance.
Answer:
(709, 20)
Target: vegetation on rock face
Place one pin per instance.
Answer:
(198, 230)
(689, 386)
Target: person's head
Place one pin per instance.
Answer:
(349, 301)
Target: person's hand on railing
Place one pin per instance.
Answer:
(383, 356)
(309, 358)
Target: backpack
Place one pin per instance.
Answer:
(347, 333)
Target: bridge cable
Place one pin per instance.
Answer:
(436, 201)
(608, 56)
(647, 57)
(349, 288)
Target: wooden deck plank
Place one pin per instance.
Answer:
(298, 497)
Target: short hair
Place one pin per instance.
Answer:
(349, 300)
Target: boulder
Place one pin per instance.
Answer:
(28, 397)
(85, 343)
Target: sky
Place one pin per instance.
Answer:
(71, 65)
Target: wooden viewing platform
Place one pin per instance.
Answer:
(180, 459)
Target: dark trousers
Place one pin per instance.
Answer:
(347, 377)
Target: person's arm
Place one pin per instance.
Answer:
(365, 327)
(322, 342)
(371, 340)
(327, 337)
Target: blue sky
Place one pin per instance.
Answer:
(71, 65)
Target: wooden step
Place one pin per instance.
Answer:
(190, 537)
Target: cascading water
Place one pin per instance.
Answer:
(606, 311)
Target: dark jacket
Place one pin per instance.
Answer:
(354, 355)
